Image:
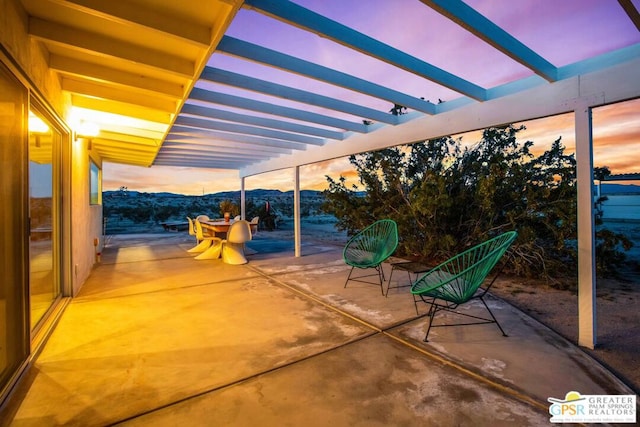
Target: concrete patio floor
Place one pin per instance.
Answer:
(158, 338)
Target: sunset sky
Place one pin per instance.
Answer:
(574, 30)
(616, 145)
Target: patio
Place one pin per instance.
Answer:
(155, 338)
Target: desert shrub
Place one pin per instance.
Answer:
(162, 213)
(609, 251)
(265, 211)
(446, 197)
(136, 214)
(229, 206)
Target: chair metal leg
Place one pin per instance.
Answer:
(379, 274)
(348, 277)
(432, 313)
(381, 278)
(493, 317)
(386, 294)
(451, 307)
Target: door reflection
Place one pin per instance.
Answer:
(43, 284)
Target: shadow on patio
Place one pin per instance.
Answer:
(157, 338)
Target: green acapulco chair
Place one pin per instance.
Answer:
(458, 280)
(369, 248)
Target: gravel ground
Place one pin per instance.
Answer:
(617, 314)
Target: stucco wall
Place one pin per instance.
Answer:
(88, 226)
(32, 59)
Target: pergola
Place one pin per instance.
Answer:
(264, 85)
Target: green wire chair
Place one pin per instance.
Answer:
(370, 248)
(458, 280)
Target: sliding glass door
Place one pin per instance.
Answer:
(14, 329)
(44, 277)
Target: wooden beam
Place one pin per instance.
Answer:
(472, 21)
(201, 157)
(214, 113)
(252, 52)
(132, 14)
(273, 109)
(631, 11)
(102, 73)
(281, 91)
(247, 130)
(98, 90)
(197, 143)
(242, 139)
(124, 152)
(217, 154)
(204, 149)
(306, 19)
(125, 141)
(137, 134)
(605, 86)
(106, 148)
(127, 161)
(208, 164)
(124, 109)
(107, 47)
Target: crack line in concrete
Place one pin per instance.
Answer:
(386, 331)
(247, 378)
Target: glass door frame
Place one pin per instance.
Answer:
(55, 213)
(61, 211)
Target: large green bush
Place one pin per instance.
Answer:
(446, 197)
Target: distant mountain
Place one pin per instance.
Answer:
(133, 211)
(255, 194)
(258, 193)
(165, 194)
(129, 193)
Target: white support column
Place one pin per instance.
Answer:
(242, 199)
(296, 211)
(586, 233)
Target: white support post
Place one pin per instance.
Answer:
(586, 233)
(296, 211)
(242, 199)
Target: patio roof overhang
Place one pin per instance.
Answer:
(191, 83)
(127, 66)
